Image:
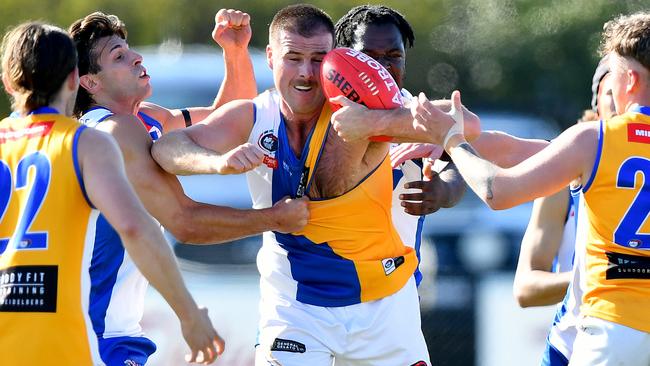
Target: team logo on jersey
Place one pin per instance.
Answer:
(268, 141)
(155, 133)
(420, 363)
(36, 129)
(131, 363)
(634, 243)
(285, 345)
(638, 132)
(391, 264)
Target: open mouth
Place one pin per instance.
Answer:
(304, 88)
(143, 73)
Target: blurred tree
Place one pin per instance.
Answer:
(533, 56)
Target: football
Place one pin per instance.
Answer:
(361, 79)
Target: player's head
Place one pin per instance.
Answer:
(380, 32)
(626, 40)
(602, 102)
(39, 64)
(107, 67)
(299, 37)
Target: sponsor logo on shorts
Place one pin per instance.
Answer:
(286, 345)
(420, 363)
(391, 264)
(28, 289)
(638, 132)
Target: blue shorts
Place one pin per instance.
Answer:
(553, 357)
(126, 351)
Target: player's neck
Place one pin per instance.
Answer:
(125, 106)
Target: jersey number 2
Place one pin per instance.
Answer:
(21, 239)
(626, 233)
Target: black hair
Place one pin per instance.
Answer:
(371, 14)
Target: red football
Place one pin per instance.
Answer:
(361, 79)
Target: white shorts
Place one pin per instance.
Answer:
(601, 342)
(384, 332)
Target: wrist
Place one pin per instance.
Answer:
(453, 141)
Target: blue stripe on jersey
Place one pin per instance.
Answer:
(397, 175)
(597, 160)
(641, 109)
(418, 242)
(155, 135)
(286, 177)
(75, 160)
(553, 357)
(108, 255)
(315, 285)
(254, 113)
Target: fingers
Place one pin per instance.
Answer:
(341, 100)
(232, 18)
(455, 101)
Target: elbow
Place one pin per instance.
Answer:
(523, 301)
(522, 297)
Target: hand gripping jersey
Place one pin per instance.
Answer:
(118, 287)
(46, 230)
(617, 199)
(349, 252)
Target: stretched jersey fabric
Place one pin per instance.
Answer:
(118, 288)
(349, 252)
(617, 198)
(46, 231)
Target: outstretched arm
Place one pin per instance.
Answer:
(535, 284)
(569, 156)
(232, 32)
(217, 145)
(355, 122)
(108, 189)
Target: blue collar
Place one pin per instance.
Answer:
(44, 110)
(640, 109)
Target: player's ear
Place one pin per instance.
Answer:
(269, 56)
(89, 83)
(633, 80)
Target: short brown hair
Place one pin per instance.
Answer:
(36, 60)
(303, 19)
(86, 32)
(628, 36)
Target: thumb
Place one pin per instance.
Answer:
(341, 100)
(427, 170)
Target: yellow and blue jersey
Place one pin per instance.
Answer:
(617, 199)
(46, 231)
(349, 252)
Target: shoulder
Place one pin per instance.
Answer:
(160, 114)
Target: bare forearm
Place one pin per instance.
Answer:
(207, 224)
(478, 173)
(155, 260)
(399, 124)
(239, 77)
(540, 288)
(176, 153)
